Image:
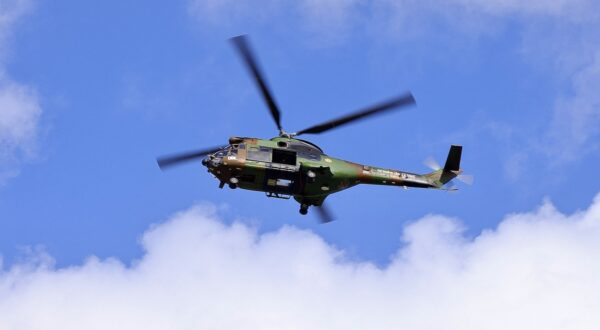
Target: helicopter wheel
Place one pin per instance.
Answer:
(303, 209)
(232, 185)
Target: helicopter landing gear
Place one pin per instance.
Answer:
(303, 209)
(232, 185)
(233, 182)
(221, 184)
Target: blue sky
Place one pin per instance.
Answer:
(118, 85)
(91, 92)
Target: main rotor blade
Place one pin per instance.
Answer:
(167, 161)
(241, 44)
(394, 103)
(324, 214)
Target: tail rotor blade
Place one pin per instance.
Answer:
(432, 163)
(450, 187)
(466, 178)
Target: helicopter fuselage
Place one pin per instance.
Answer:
(285, 167)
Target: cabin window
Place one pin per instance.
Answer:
(261, 154)
(284, 182)
(282, 156)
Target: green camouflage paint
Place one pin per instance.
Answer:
(289, 167)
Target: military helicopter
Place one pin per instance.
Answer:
(286, 166)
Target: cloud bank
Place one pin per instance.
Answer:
(536, 270)
(20, 110)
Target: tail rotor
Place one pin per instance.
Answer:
(450, 170)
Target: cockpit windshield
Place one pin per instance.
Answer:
(221, 153)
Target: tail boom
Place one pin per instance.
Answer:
(390, 177)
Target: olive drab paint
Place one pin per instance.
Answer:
(285, 167)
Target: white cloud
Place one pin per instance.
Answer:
(326, 21)
(559, 8)
(19, 106)
(576, 119)
(562, 36)
(537, 270)
(19, 116)
(10, 12)
(566, 34)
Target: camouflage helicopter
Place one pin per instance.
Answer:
(286, 166)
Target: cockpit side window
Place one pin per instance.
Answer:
(261, 154)
(233, 149)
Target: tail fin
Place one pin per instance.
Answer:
(453, 160)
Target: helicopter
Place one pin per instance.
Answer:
(286, 166)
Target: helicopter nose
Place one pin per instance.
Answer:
(205, 161)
